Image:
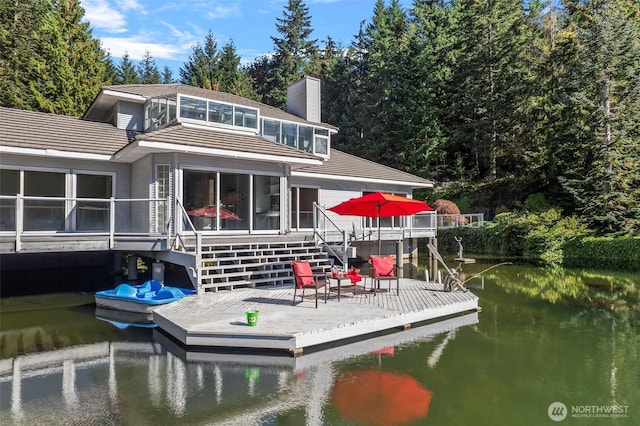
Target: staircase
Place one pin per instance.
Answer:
(250, 264)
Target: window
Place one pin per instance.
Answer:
(93, 215)
(220, 113)
(9, 185)
(302, 200)
(193, 108)
(163, 189)
(44, 214)
(266, 195)
(271, 130)
(321, 141)
(246, 117)
(289, 134)
(305, 138)
(199, 198)
(235, 201)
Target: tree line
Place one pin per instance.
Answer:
(512, 98)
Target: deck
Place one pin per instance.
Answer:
(217, 320)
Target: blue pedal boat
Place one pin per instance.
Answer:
(143, 298)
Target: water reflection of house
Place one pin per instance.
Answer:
(123, 177)
(98, 383)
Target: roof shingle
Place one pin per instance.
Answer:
(39, 130)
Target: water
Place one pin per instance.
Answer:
(542, 337)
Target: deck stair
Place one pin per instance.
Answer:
(250, 264)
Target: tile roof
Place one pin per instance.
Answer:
(39, 130)
(342, 164)
(205, 138)
(163, 90)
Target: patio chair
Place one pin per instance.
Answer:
(305, 278)
(383, 268)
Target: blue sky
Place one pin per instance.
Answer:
(169, 28)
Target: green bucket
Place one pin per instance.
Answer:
(252, 318)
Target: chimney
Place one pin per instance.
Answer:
(303, 99)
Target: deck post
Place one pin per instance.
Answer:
(132, 267)
(112, 223)
(399, 256)
(19, 221)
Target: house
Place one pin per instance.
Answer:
(174, 172)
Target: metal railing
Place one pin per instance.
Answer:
(22, 216)
(475, 220)
(325, 231)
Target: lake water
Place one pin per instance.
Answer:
(547, 345)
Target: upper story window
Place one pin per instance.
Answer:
(305, 138)
(218, 112)
(160, 112)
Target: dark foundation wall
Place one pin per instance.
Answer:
(28, 273)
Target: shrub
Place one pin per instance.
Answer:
(537, 202)
(603, 252)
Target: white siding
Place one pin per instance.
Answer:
(303, 99)
(141, 186)
(330, 198)
(130, 116)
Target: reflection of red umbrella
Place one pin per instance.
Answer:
(380, 398)
(212, 211)
(380, 204)
(387, 350)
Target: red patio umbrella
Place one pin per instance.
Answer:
(380, 204)
(212, 211)
(375, 397)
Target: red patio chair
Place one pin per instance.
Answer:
(383, 268)
(305, 278)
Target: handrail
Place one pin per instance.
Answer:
(72, 206)
(198, 249)
(472, 220)
(318, 212)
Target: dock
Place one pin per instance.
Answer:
(217, 320)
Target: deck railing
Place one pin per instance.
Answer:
(24, 216)
(475, 220)
(329, 234)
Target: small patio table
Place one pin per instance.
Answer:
(345, 283)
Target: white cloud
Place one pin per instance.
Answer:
(137, 46)
(101, 15)
(127, 5)
(220, 12)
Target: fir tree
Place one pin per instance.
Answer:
(202, 67)
(60, 69)
(127, 73)
(293, 52)
(148, 70)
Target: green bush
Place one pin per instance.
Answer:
(537, 202)
(603, 253)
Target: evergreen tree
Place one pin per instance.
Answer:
(602, 161)
(202, 68)
(19, 21)
(56, 63)
(148, 70)
(111, 70)
(127, 73)
(292, 55)
(494, 81)
(167, 75)
(381, 107)
(341, 96)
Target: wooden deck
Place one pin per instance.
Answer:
(218, 320)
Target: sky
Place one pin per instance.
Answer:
(169, 29)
